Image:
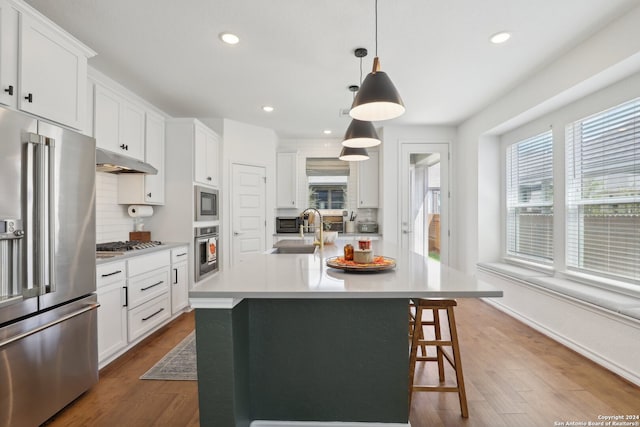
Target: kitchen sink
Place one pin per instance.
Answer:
(290, 246)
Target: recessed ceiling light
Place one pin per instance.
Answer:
(267, 108)
(229, 38)
(327, 132)
(500, 37)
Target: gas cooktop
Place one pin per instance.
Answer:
(117, 248)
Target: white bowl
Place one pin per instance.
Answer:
(328, 236)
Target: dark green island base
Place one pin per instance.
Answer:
(303, 360)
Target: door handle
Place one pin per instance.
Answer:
(237, 233)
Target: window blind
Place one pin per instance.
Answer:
(603, 192)
(530, 199)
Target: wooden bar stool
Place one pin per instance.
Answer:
(412, 322)
(418, 341)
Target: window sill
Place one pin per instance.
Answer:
(595, 294)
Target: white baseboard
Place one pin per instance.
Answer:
(260, 423)
(592, 332)
(578, 348)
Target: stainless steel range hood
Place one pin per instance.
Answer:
(106, 161)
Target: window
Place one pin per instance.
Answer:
(603, 192)
(327, 182)
(530, 199)
(327, 195)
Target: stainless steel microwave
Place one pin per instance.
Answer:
(288, 224)
(207, 204)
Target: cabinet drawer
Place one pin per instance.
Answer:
(179, 254)
(110, 273)
(148, 286)
(145, 263)
(144, 318)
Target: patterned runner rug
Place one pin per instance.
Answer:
(179, 364)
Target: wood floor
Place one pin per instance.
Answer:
(514, 377)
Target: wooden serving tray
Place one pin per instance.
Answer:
(380, 263)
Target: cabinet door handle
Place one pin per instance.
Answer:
(209, 178)
(182, 254)
(124, 147)
(152, 315)
(293, 203)
(175, 270)
(29, 98)
(152, 286)
(9, 90)
(148, 194)
(126, 296)
(111, 274)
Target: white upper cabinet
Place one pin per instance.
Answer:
(206, 161)
(43, 70)
(106, 118)
(286, 180)
(147, 189)
(118, 123)
(154, 155)
(132, 130)
(368, 181)
(8, 55)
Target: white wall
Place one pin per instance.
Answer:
(248, 145)
(607, 57)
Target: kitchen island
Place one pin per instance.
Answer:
(283, 337)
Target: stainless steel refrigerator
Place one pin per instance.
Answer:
(48, 333)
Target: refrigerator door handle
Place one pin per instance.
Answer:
(51, 208)
(32, 261)
(40, 215)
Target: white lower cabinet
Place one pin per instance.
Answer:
(137, 296)
(179, 279)
(112, 313)
(148, 288)
(147, 316)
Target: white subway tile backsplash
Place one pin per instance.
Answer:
(113, 223)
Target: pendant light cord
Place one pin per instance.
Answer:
(376, 12)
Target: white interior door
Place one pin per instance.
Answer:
(424, 207)
(248, 211)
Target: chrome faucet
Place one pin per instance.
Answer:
(321, 225)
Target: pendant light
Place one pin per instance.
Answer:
(360, 133)
(353, 154)
(378, 98)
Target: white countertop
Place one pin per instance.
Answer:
(138, 252)
(274, 276)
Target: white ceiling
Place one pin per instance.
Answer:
(297, 55)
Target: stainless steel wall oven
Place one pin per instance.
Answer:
(207, 251)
